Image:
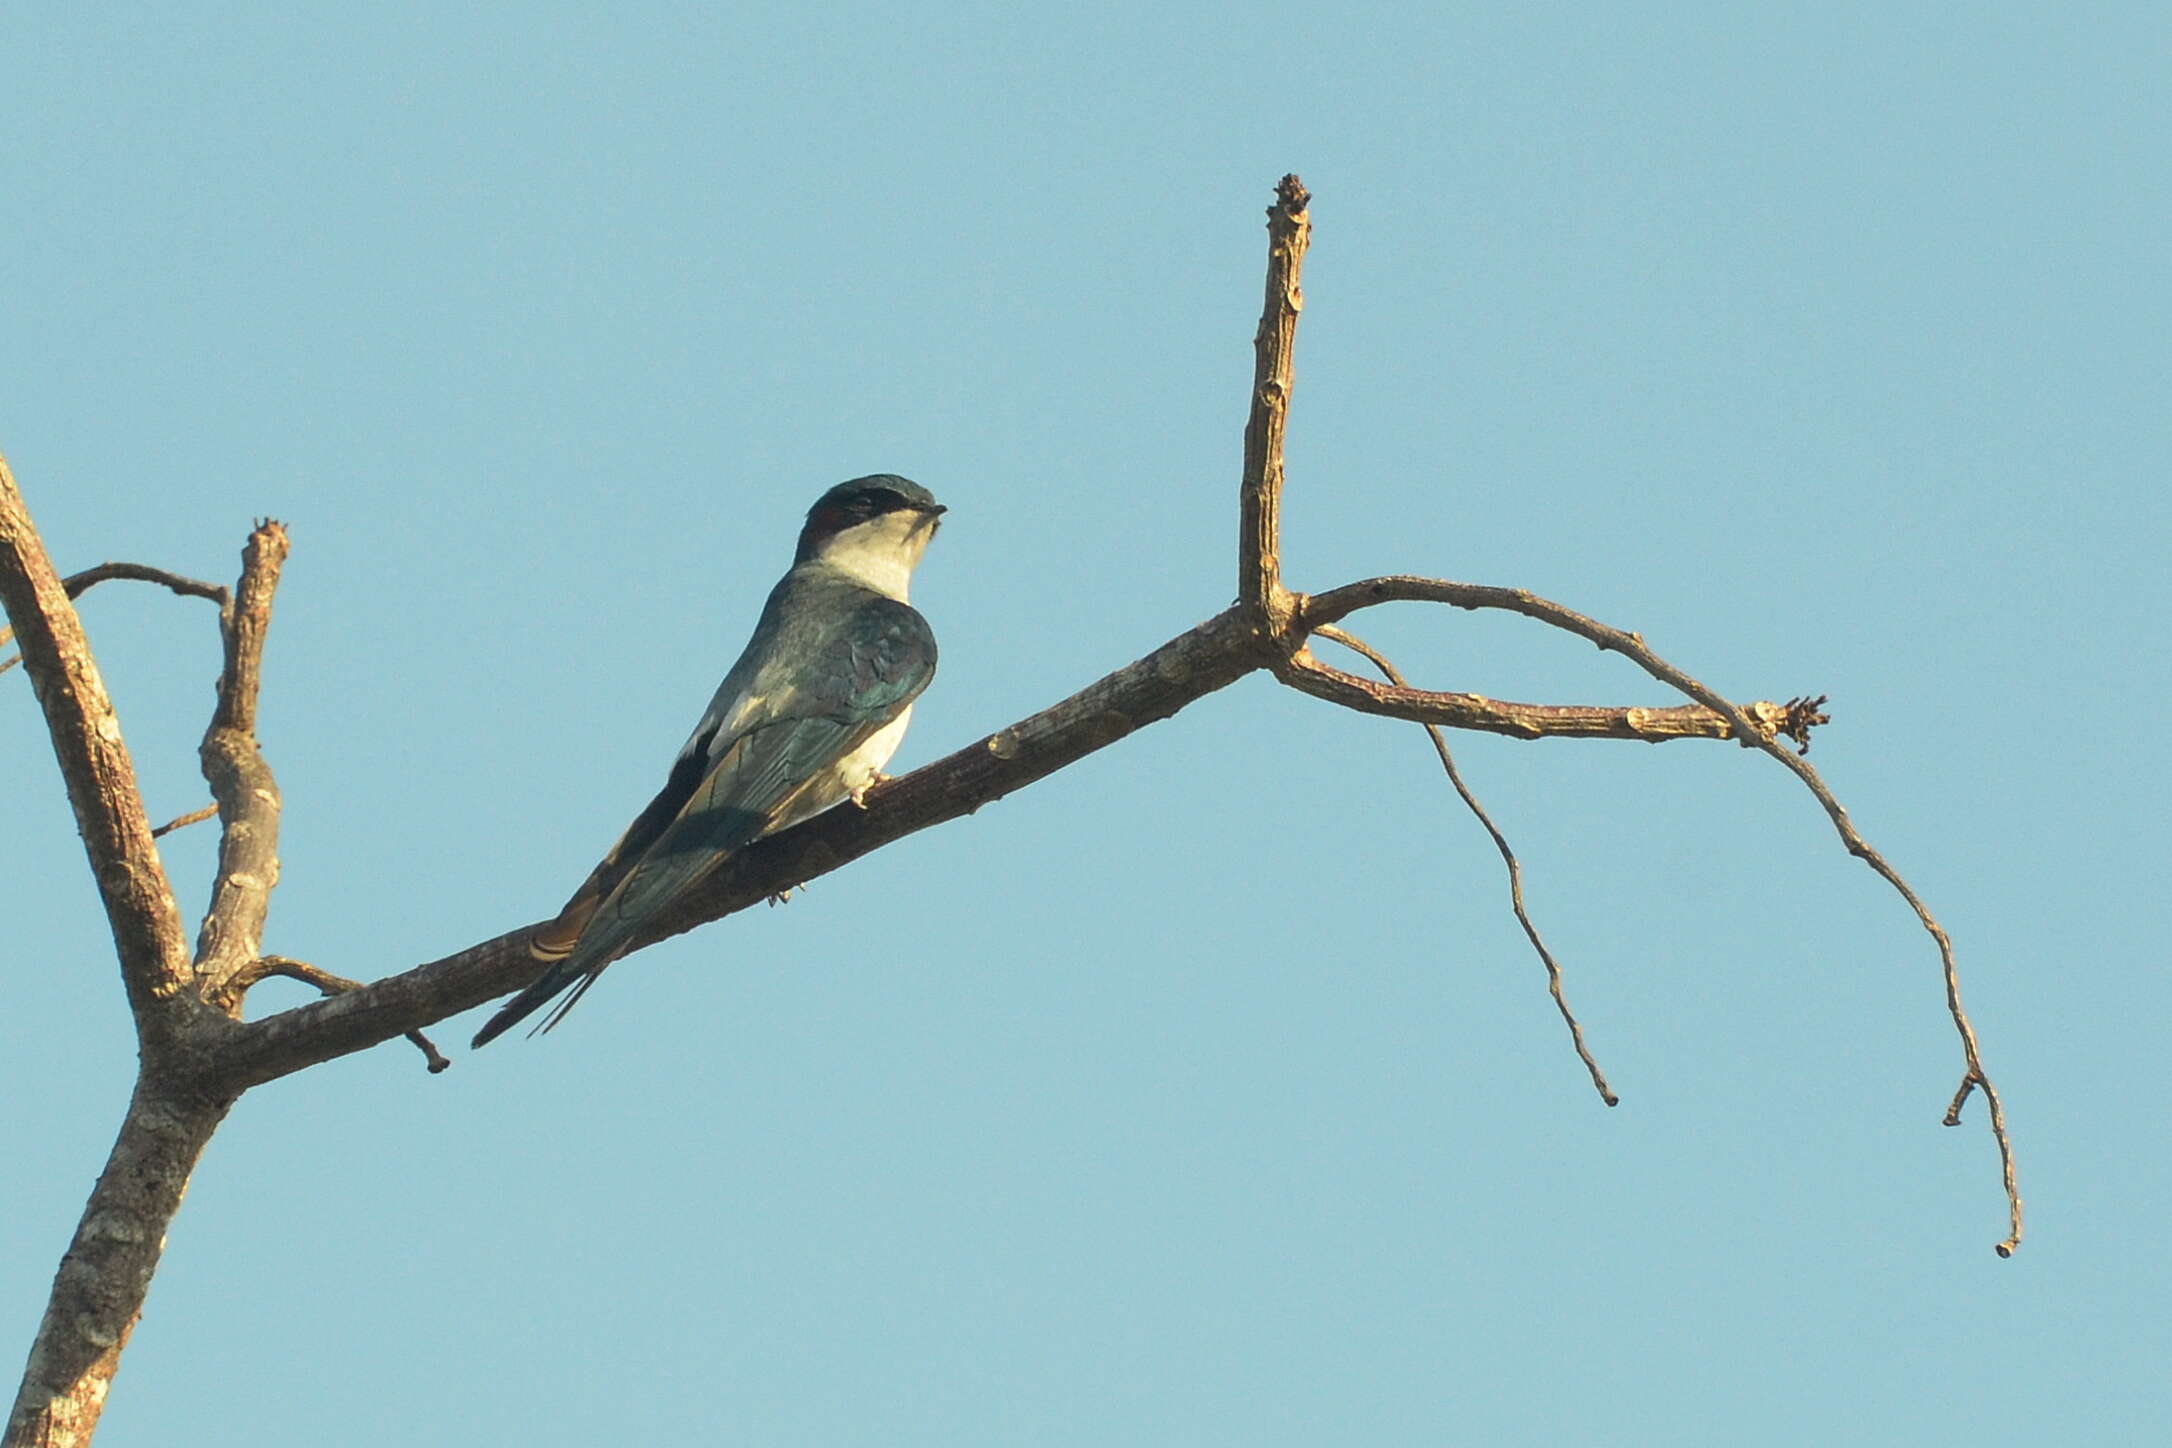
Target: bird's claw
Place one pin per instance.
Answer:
(875, 777)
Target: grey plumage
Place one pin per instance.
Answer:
(805, 718)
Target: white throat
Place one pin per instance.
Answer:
(881, 553)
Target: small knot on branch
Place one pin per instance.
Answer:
(1291, 196)
(1803, 714)
(327, 983)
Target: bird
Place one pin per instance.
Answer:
(815, 706)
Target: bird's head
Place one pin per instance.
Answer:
(875, 528)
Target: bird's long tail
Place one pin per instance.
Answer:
(577, 957)
(607, 912)
(570, 951)
(547, 987)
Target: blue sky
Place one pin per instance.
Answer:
(1204, 1093)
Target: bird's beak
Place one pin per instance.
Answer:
(934, 510)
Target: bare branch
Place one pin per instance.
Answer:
(1259, 563)
(1756, 729)
(1525, 721)
(182, 822)
(99, 1289)
(241, 782)
(1508, 857)
(75, 584)
(1308, 675)
(1973, 1076)
(187, 587)
(267, 966)
(1188, 667)
(94, 762)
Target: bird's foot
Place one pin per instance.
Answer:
(784, 896)
(875, 777)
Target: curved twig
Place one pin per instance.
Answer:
(266, 966)
(1508, 857)
(75, 584)
(187, 587)
(1754, 731)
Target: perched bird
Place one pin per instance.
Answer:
(814, 708)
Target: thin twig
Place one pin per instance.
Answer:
(194, 816)
(1530, 721)
(188, 587)
(1753, 733)
(75, 584)
(1508, 857)
(327, 983)
(1302, 671)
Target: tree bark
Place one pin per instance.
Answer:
(98, 1291)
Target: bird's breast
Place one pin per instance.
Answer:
(862, 765)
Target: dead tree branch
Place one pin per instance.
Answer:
(1274, 346)
(178, 1103)
(75, 585)
(1508, 858)
(1756, 726)
(1194, 664)
(241, 782)
(266, 966)
(182, 822)
(98, 1291)
(86, 734)
(198, 1055)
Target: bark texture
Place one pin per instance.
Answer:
(98, 1291)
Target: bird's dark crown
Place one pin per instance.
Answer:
(859, 500)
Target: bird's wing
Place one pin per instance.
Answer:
(794, 723)
(867, 669)
(556, 940)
